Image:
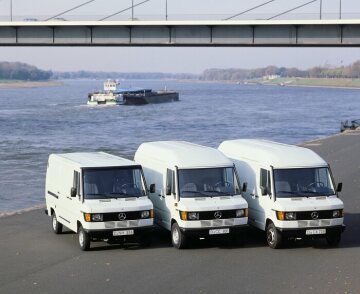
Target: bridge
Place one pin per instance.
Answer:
(305, 33)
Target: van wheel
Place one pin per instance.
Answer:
(273, 236)
(333, 240)
(56, 226)
(177, 237)
(84, 239)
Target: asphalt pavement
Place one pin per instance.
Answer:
(35, 260)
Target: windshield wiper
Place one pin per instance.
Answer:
(98, 194)
(219, 192)
(195, 192)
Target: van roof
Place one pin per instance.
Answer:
(94, 159)
(271, 153)
(182, 154)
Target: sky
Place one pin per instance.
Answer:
(170, 59)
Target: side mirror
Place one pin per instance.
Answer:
(168, 190)
(73, 192)
(264, 191)
(244, 187)
(152, 188)
(339, 187)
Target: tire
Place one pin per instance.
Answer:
(333, 240)
(177, 237)
(273, 236)
(56, 226)
(84, 239)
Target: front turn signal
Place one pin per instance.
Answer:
(280, 215)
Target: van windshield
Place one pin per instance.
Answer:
(208, 182)
(113, 183)
(303, 182)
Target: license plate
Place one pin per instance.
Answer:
(123, 233)
(219, 231)
(316, 232)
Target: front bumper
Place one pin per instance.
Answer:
(108, 234)
(301, 233)
(204, 232)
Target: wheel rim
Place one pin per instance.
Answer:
(81, 238)
(175, 236)
(271, 236)
(54, 223)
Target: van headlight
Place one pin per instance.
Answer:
(93, 217)
(241, 213)
(97, 217)
(289, 216)
(184, 215)
(145, 214)
(193, 215)
(337, 213)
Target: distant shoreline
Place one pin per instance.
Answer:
(8, 84)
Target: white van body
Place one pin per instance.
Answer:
(188, 181)
(290, 187)
(99, 195)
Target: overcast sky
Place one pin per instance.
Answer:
(193, 60)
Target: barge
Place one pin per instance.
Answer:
(112, 95)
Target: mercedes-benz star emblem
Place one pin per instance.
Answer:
(314, 215)
(122, 216)
(217, 214)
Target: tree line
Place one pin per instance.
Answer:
(237, 74)
(22, 71)
(121, 75)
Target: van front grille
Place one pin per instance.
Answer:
(122, 224)
(217, 223)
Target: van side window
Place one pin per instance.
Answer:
(265, 179)
(76, 183)
(170, 180)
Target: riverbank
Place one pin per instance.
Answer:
(310, 82)
(16, 84)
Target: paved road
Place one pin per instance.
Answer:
(34, 260)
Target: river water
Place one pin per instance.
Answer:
(39, 121)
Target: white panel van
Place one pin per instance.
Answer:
(99, 196)
(195, 190)
(290, 192)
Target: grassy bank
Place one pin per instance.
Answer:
(314, 82)
(8, 84)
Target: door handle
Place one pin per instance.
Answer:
(69, 198)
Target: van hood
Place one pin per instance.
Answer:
(117, 205)
(308, 204)
(212, 203)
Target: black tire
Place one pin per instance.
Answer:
(56, 226)
(84, 239)
(273, 236)
(177, 237)
(333, 240)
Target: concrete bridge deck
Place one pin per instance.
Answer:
(231, 33)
